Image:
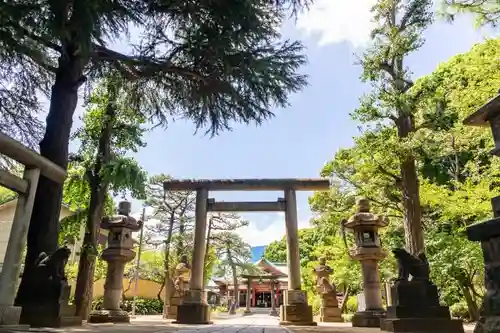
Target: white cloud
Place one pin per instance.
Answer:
(336, 21)
(275, 230)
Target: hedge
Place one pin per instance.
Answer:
(143, 306)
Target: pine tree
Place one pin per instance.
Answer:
(213, 62)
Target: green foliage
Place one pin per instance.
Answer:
(233, 255)
(6, 195)
(276, 251)
(76, 196)
(126, 128)
(143, 306)
(457, 174)
(150, 268)
(456, 263)
(352, 304)
(115, 132)
(220, 309)
(197, 62)
(459, 310)
(100, 271)
(315, 302)
(211, 261)
(487, 12)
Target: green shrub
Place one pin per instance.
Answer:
(460, 310)
(220, 309)
(352, 304)
(347, 317)
(143, 306)
(315, 302)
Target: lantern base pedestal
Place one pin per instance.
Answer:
(193, 313)
(109, 316)
(368, 318)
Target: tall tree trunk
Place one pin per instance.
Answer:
(158, 295)
(44, 225)
(471, 305)
(345, 298)
(166, 265)
(410, 189)
(180, 243)
(235, 278)
(98, 191)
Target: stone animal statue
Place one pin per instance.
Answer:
(179, 284)
(53, 265)
(327, 286)
(408, 264)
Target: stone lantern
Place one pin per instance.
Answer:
(117, 254)
(488, 232)
(368, 251)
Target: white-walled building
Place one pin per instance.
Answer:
(7, 211)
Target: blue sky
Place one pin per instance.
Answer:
(301, 138)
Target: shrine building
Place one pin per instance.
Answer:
(270, 274)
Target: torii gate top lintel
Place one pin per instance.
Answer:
(276, 184)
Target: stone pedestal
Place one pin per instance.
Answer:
(9, 315)
(295, 310)
(39, 314)
(416, 309)
(370, 317)
(109, 316)
(194, 309)
(113, 289)
(178, 289)
(175, 301)
(329, 312)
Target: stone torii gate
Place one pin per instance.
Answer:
(295, 310)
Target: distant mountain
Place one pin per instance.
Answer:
(257, 252)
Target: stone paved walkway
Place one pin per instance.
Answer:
(256, 323)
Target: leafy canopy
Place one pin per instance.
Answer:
(212, 62)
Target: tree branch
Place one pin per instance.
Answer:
(142, 66)
(34, 37)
